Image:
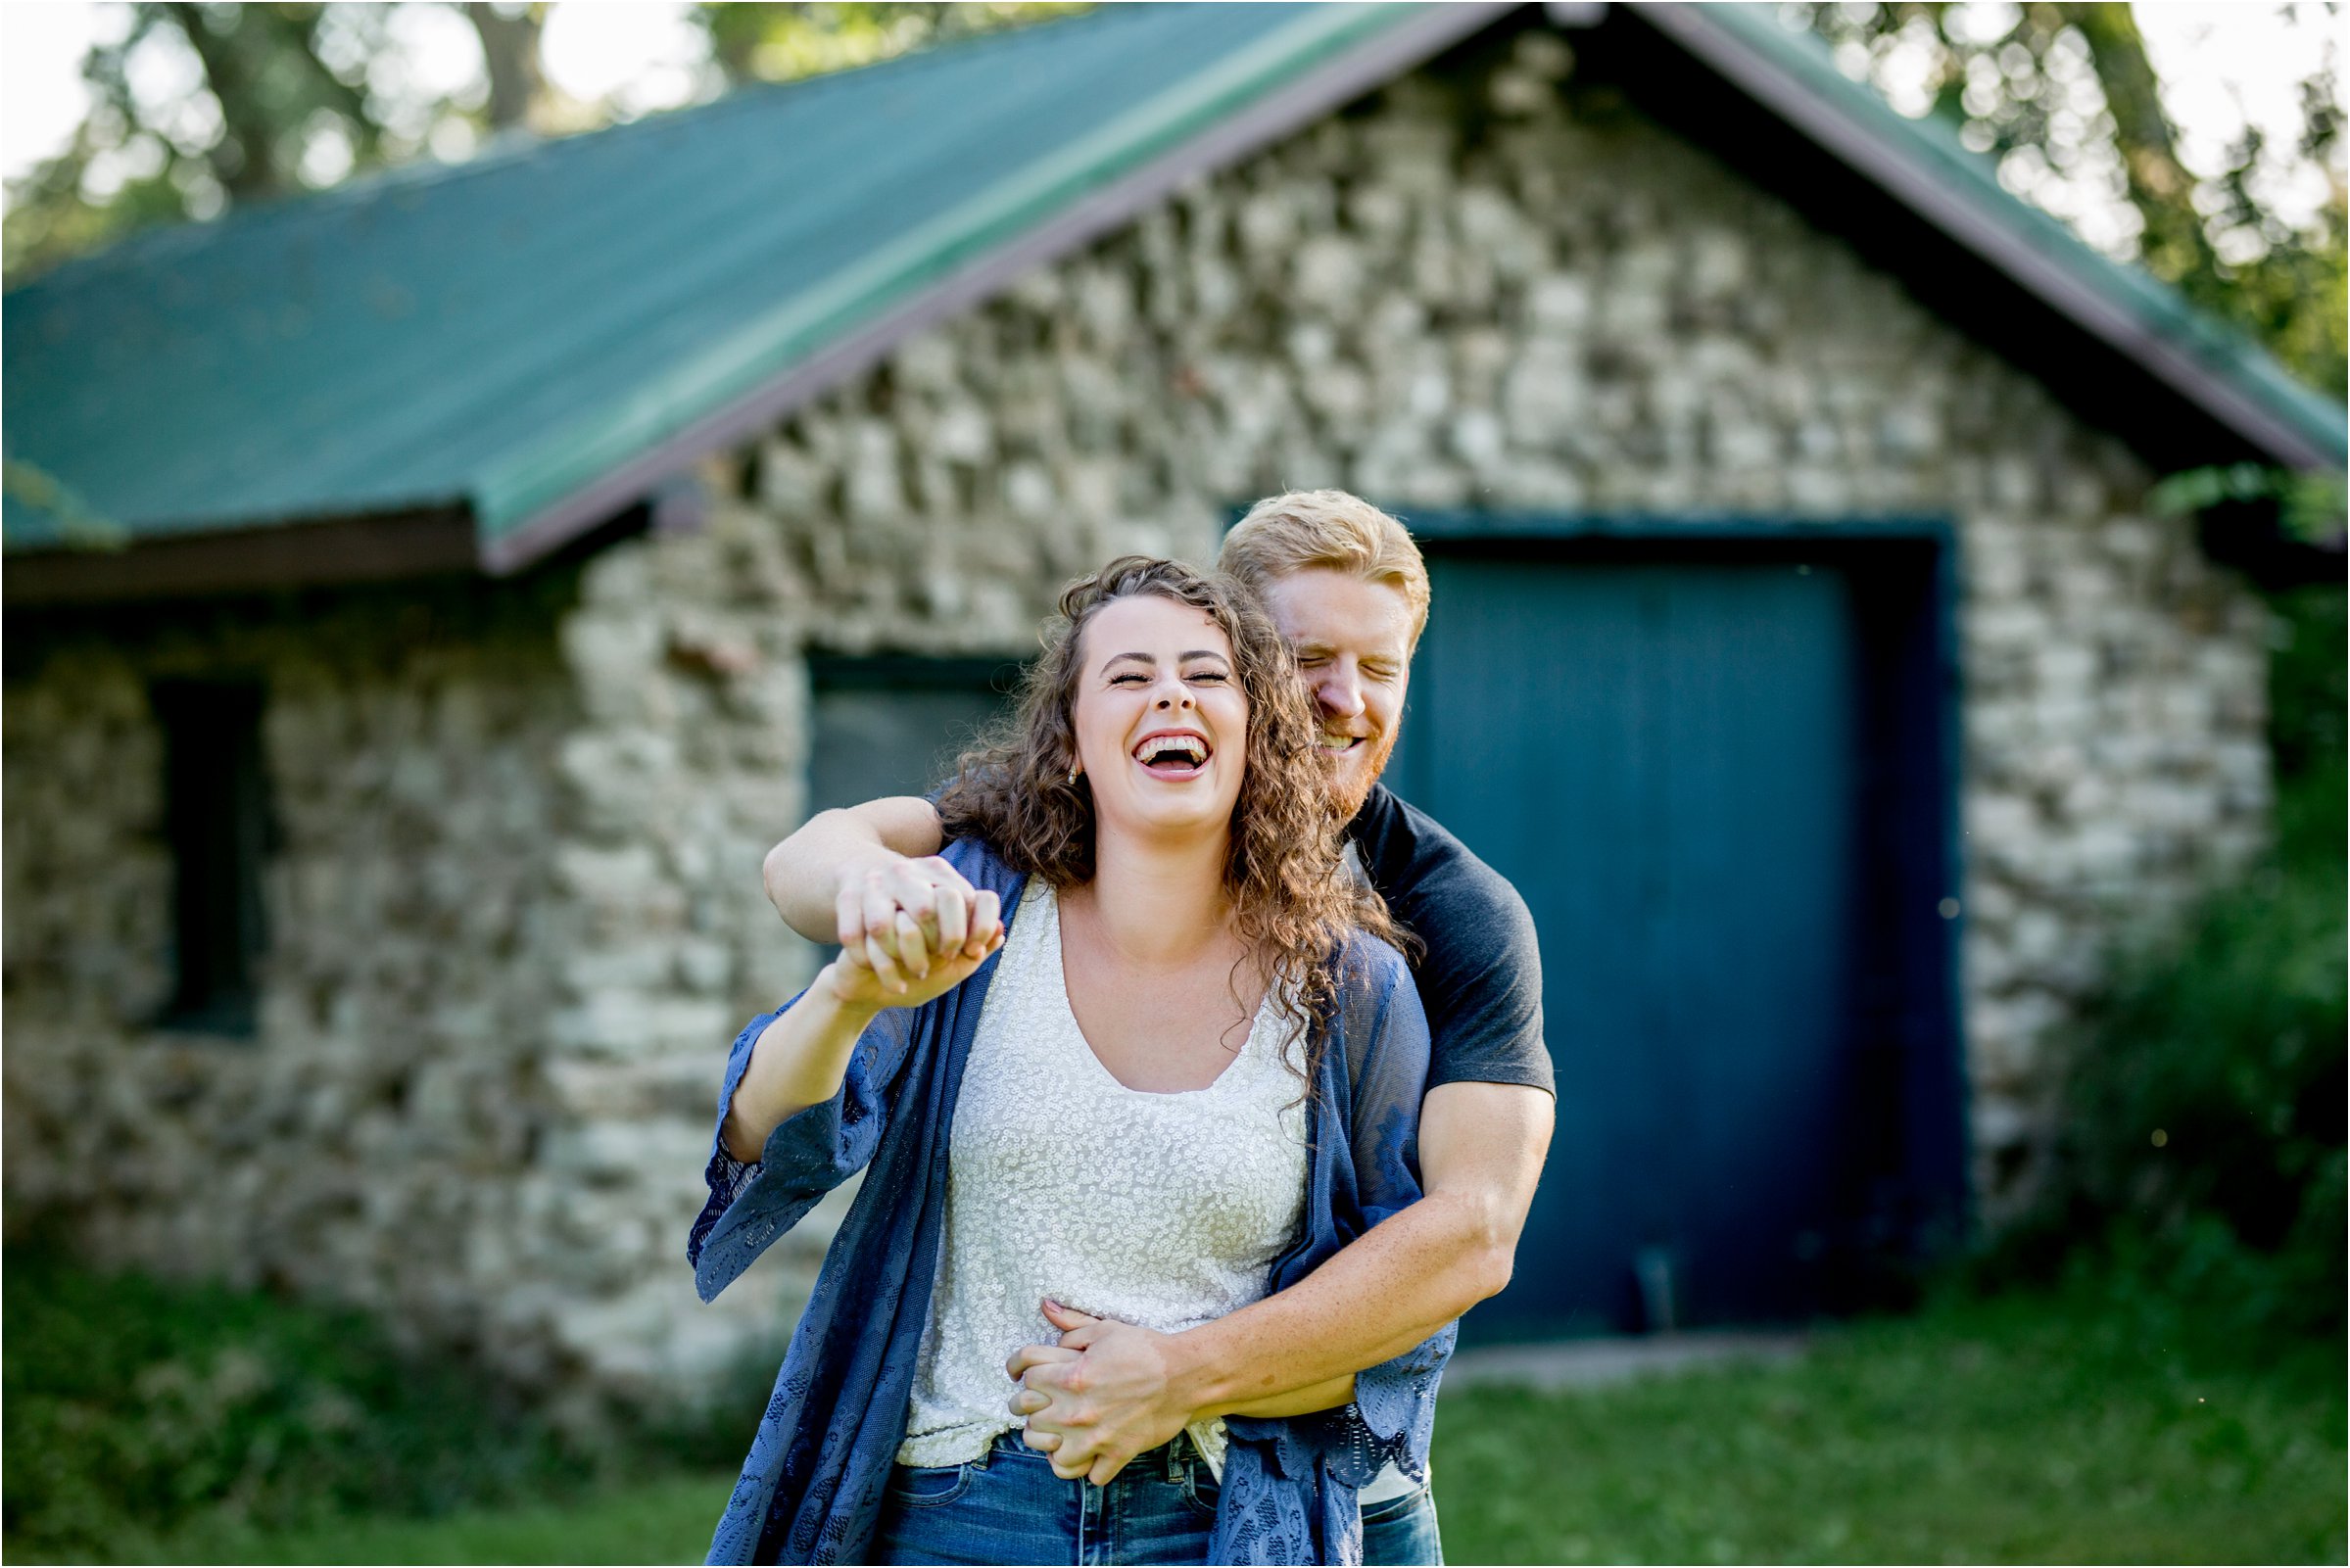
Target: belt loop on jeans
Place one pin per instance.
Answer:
(1175, 1446)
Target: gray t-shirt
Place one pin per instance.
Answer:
(1479, 973)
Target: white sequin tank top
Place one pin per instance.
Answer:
(1163, 1209)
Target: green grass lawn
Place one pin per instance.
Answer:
(2020, 1431)
(659, 1520)
(2030, 1429)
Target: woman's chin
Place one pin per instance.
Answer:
(1175, 813)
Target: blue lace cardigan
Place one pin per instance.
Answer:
(811, 1489)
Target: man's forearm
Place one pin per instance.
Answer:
(1377, 1298)
(1109, 1390)
(1481, 1151)
(1325, 1396)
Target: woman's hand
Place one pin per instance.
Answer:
(855, 983)
(874, 905)
(799, 1059)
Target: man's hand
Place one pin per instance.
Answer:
(858, 985)
(1101, 1396)
(904, 915)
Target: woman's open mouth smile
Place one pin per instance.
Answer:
(1174, 755)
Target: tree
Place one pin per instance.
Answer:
(2066, 97)
(289, 97)
(510, 47)
(782, 43)
(281, 99)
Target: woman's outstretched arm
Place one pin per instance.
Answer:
(801, 1057)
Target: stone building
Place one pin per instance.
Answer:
(437, 594)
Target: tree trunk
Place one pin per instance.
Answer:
(2161, 188)
(245, 159)
(509, 45)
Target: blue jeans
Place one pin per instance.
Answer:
(1400, 1532)
(1009, 1508)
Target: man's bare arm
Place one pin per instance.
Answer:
(1481, 1151)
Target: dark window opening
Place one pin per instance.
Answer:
(893, 725)
(217, 819)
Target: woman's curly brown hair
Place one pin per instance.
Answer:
(1292, 902)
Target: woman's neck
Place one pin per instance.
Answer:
(1157, 902)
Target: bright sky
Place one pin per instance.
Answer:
(2221, 62)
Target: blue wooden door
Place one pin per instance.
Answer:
(1662, 759)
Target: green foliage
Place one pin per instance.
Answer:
(284, 104)
(77, 523)
(2310, 504)
(153, 1421)
(2308, 693)
(2063, 96)
(296, 96)
(2207, 1105)
(767, 42)
(134, 1409)
(635, 1519)
(2088, 1424)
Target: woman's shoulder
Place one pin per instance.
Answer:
(1378, 1018)
(980, 863)
(1371, 964)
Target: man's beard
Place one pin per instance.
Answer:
(1353, 786)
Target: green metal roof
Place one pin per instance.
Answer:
(516, 337)
(499, 334)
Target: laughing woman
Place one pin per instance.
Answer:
(1173, 1069)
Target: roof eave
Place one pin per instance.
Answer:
(380, 548)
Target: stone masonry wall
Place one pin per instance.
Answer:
(518, 914)
(402, 1132)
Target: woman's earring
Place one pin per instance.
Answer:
(1072, 777)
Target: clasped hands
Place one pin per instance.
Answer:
(1099, 1397)
(904, 917)
(910, 932)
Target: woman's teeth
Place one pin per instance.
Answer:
(1173, 751)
